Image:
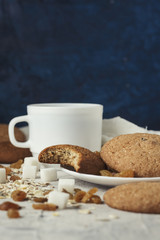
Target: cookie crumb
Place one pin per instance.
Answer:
(85, 211)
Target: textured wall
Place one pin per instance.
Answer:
(104, 52)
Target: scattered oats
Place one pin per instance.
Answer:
(1, 197)
(108, 218)
(73, 206)
(23, 187)
(18, 182)
(72, 201)
(56, 214)
(14, 170)
(31, 187)
(36, 189)
(112, 216)
(85, 211)
(38, 193)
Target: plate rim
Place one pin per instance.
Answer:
(110, 181)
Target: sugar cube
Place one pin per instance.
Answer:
(48, 174)
(58, 198)
(67, 184)
(47, 165)
(29, 172)
(31, 161)
(2, 175)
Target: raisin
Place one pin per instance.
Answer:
(7, 205)
(14, 178)
(40, 199)
(13, 213)
(18, 195)
(47, 192)
(8, 170)
(79, 195)
(77, 190)
(70, 194)
(95, 199)
(17, 164)
(88, 195)
(93, 190)
(45, 206)
(106, 173)
(126, 173)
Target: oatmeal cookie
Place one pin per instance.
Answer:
(139, 152)
(4, 133)
(8, 152)
(141, 197)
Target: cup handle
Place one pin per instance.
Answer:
(11, 126)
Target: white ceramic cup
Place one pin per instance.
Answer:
(60, 123)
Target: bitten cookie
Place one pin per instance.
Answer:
(74, 158)
(141, 197)
(8, 152)
(139, 152)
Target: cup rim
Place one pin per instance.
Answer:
(64, 105)
(65, 108)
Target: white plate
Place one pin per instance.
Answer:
(107, 181)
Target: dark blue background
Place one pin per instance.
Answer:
(104, 52)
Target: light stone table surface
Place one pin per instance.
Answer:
(102, 223)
